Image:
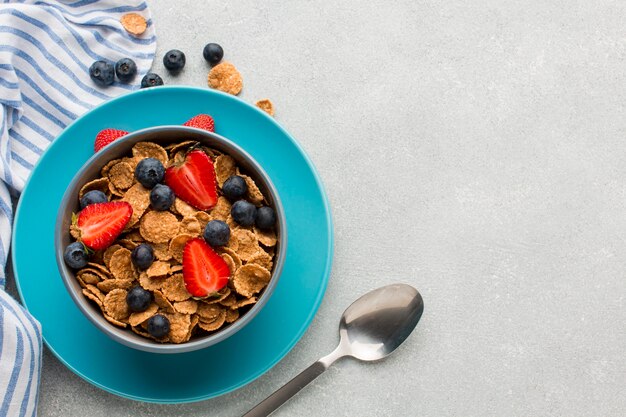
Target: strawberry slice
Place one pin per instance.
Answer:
(100, 224)
(204, 271)
(193, 181)
(201, 121)
(106, 136)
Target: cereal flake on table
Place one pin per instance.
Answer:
(225, 77)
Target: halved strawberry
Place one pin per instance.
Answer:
(106, 136)
(193, 181)
(100, 224)
(201, 121)
(204, 271)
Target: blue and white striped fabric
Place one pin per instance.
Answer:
(20, 359)
(46, 48)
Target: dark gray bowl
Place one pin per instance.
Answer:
(91, 170)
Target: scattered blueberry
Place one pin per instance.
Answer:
(138, 299)
(142, 256)
(213, 53)
(243, 212)
(149, 172)
(102, 73)
(126, 69)
(158, 326)
(161, 197)
(75, 255)
(92, 197)
(216, 233)
(174, 60)
(265, 218)
(151, 80)
(235, 188)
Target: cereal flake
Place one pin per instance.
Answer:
(121, 176)
(121, 265)
(190, 225)
(139, 199)
(158, 226)
(266, 105)
(221, 211)
(100, 184)
(224, 168)
(179, 326)
(250, 279)
(174, 288)
(158, 269)
(144, 150)
(186, 307)
(226, 78)
(115, 304)
(247, 244)
(134, 23)
(177, 245)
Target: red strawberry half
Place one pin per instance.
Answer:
(204, 271)
(106, 136)
(201, 121)
(193, 181)
(100, 224)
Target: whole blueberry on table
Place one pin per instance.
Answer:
(149, 172)
(158, 326)
(265, 218)
(138, 299)
(151, 80)
(161, 197)
(243, 212)
(92, 197)
(125, 69)
(75, 255)
(174, 60)
(102, 73)
(142, 256)
(216, 233)
(213, 53)
(235, 188)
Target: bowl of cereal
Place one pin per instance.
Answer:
(170, 239)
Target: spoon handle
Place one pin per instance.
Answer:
(291, 388)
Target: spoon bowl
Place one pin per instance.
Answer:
(378, 322)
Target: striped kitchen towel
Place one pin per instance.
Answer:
(46, 49)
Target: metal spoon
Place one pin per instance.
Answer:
(370, 329)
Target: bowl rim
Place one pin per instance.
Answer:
(121, 335)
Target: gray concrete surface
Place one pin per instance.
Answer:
(473, 149)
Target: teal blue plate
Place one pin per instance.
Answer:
(216, 370)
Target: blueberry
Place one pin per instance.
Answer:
(235, 188)
(151, 80)
(161, 197)
(158, 326)
(149, 172)
(102, 73)
(142, 256)
(216, 233)
(174, 60)
(265, 218)
(213, 53)
(125, 69)
(138, 299)
(75, 255)
(92, 197)
(243, 212)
